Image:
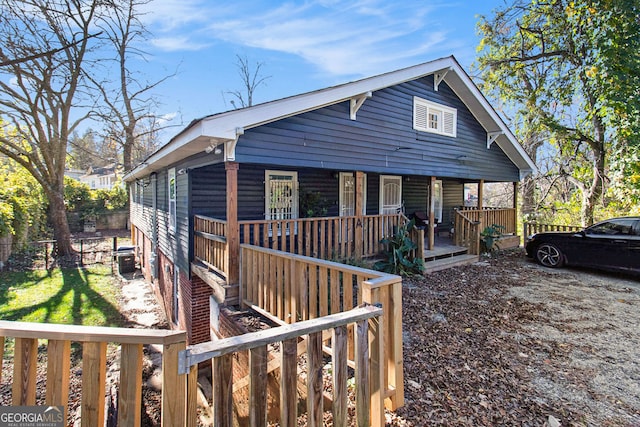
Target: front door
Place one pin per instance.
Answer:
(390, 194)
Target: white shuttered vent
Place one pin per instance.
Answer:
(431, 117)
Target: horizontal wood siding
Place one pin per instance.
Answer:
(322, 187)
(208, 191)
(373, 193)
(452, 197)
(251, 192)
(165, 239)
(183, 224)
(415, 191)
(173, 244)
(327, 139)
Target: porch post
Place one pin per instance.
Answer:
(359, 208)
(432, 214)
(516, 189)
(481, 214)
(233, 229)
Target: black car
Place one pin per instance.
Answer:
(612, 245)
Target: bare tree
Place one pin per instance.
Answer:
(128, 104)
(251, 80)
(43, 100)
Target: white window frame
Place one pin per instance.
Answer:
(424, 112)
(176, 295)
(141, 193)
(344, 176)
(172, 189)
(437, 199)
(294, 202)
(384, 178)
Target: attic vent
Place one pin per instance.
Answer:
(431, 117)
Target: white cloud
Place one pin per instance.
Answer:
(181, 43)
(340, 38)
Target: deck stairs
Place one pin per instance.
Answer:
(446, 255)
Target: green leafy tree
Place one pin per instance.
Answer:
(566, 74)
(84, 151)
(23, 205)
(39, 98)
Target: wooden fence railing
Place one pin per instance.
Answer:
(210, 243)
(290, 288)
(94, 341)
(369, 407)
(342, 237)
(531, 228)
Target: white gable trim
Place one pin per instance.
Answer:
(222, 128)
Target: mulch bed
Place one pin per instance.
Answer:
(465, 363)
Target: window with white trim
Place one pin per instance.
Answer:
(172, 199)
(140, 187)
(347, 196)
(437, 200)
(175, 305)
(431, 117)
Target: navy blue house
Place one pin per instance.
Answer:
(417, 140)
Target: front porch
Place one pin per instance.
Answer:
(297, 270)
(350, 239)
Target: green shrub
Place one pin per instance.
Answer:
(489, 235)
(398, 254)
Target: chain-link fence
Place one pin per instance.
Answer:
(88, 250)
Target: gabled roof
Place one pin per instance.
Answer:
(225, 128)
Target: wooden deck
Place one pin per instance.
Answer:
(446, 254)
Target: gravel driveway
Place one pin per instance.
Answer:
(507, 342)
(597, 315)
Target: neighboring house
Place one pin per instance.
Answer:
(408, 140)
(74, 173)
(100, 178)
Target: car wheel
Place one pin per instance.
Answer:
(549, 255)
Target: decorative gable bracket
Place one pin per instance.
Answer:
(492, 136)
(230, 146)
(357, 102)
(438, 77)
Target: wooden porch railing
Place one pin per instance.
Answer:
(505, 217)
(467, 232)
(531, 228)
(368, 341)
(290, 288)
(210, 243)
(94, 359)
(343, 237)
(325, 238)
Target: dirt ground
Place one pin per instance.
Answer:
(507, 342)
(500, 342)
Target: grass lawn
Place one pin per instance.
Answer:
(78, 296)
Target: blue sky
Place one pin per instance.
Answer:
(303, 45)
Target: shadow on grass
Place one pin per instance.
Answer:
(75, 301)
(26, 279)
